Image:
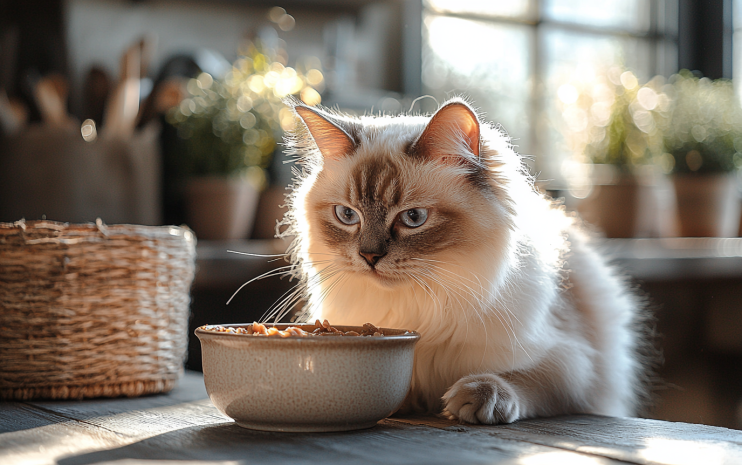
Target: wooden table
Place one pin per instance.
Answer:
(184, 428)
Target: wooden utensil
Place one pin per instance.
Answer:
(13, 114)
(147, 48)
(50, 93)
(96, 93)
(123, 107)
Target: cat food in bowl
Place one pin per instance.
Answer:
(291, 378)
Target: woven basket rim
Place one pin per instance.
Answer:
(97, 229)
(134, 388)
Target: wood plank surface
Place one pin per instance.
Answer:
(16, 416)
(183, 427)
(632, 440)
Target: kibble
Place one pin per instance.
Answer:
(323, 328)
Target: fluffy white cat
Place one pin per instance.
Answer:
(431, 223)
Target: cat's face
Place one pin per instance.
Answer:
(387, 210)
(385, 215)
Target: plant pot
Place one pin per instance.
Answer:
(271, 208)
(708, 205)
(220, 208)
(620, 204)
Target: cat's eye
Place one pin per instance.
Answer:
(347, 215)
(414, 217)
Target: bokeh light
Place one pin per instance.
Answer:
(233, 123)
(310, 96)
(88, 130)
(610, 118)
(283, 20)
(684, 124)
(704, 129)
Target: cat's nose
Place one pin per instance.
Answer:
(372, 257)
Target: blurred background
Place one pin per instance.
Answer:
(170, 112)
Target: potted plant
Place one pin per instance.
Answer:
(612, 127)
(227, 131)
(703, 143)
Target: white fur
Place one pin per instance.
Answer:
(532, 312)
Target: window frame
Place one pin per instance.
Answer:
(661, 38)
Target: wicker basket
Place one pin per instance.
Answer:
(92, 310)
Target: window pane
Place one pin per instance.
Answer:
(488, 62)
(619, 14)
(737, 47)
(495, 8)
(568, 56)
(737, 63)
(737, 14)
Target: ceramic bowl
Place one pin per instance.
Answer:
(303, 384)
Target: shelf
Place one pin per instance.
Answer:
(665, 259)
(678, 258)
(217, 267)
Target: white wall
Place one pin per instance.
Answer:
(98, 31)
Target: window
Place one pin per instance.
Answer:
(735, 36)
(511, 56)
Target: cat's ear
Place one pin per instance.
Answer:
(333, 141)
(453, 123)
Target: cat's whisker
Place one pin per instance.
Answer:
(509, 313)
(314, 305)
(276, 257)
(501, 299)
(477, 295)
(466, 335)
(457, 293)
(457, 276)
(438, 267)
(480, 298)
(258, 255)
(331, 287)
(286, 307)
(282, 307)
(445, 288)
(289, 298)
(426, 289)
(466, 317)
(438, 306)
(287, 270)
(479, 308)
(284, 270)
(320, 279)
(296, 290)
(414, 292)
(286, 300)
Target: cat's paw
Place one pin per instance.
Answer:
(486, 399)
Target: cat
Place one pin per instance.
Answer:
(431, 223)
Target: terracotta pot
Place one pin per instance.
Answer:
(271, 208)
(621, 205)
(220, 208)
(708, 205)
